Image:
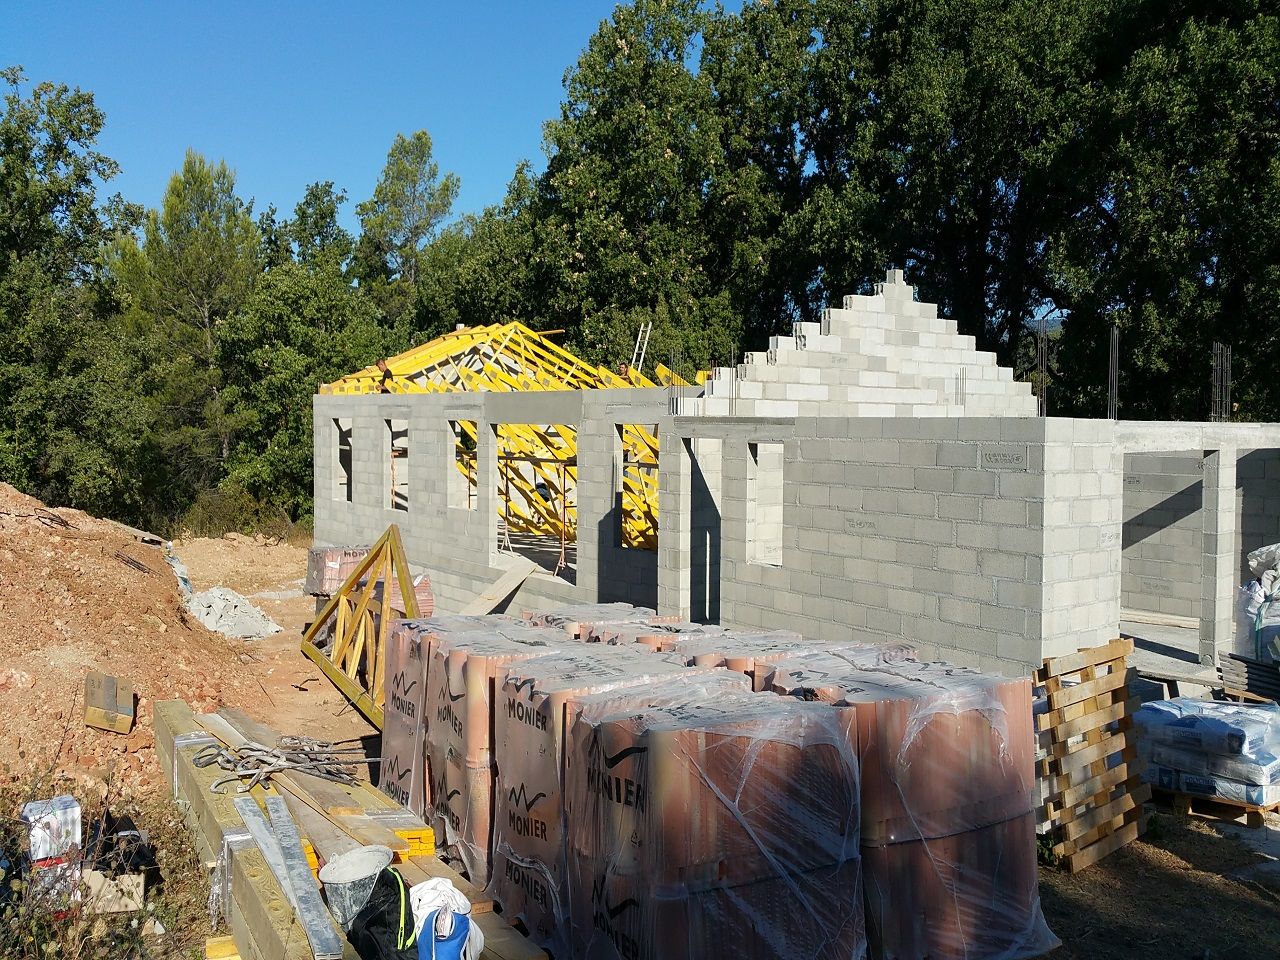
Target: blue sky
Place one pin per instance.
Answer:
(290, 92)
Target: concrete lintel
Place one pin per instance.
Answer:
(1154, 436)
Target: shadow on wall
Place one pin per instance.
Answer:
(704, 546)
(1258, 480)
(623, 574)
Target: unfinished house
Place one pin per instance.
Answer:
(871, 476)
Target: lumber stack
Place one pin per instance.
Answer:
(1093, 792)
(329, 819)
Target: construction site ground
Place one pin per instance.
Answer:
(78, 593)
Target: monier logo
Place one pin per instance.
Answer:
(445, 714)
(601, 780)
(605, 918)
(529, 882)
(393, 777)
(522, 712)
(523, 823)
(401, 701)
(443, 795)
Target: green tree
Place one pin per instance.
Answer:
(300, 328)
(409, 203)
(72, 417)
(195, 267)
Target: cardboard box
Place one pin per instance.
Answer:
(109, 704)
(122, 894)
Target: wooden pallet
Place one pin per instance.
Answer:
(1257, 680)
(1094, 795)
(1220, 808)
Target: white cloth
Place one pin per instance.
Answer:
(438, 894)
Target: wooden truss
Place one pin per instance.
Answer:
(537, 463)
(354, 658)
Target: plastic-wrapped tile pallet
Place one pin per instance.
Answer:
(948, 825)
(665, 791)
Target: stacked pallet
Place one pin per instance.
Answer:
(1093, 793)
(1241, 674)
(948, 829)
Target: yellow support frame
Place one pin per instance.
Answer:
(511, 357)
(357, 663)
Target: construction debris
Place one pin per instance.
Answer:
(109, 704)
(78, 608)
(227, 612)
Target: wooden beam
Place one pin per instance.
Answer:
(503, 587)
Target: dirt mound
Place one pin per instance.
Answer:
(78, 593)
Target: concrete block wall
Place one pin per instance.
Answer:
(455, 545)
(1163, 536)
(883, 355)
(1164, 525)
(942, 532)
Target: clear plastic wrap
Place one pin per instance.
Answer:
(529, 878)
(658, 636)
(1208, 726)
(947, 801)
(755, 653)
(460, 692)
(580, 619)
(403, 773)
(1222, 788)
(1261, 768)
(727, 827)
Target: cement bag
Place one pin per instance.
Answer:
(1264, 559)
(1261, 768)
(1208, 727)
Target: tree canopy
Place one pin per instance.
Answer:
(1088, 164)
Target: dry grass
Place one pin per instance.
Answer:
(1167, 895)
(35, 925)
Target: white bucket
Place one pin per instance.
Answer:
(348, 880)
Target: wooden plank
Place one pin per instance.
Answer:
(369, 832)
(1045, 722)
(322, 933)
(1075, 662)
(1098, 815)
(1109, 844)
(504, 942)
(359, 697)
(328, 840)
(501, 588)
(264, 924)
(1094, 721)
(221, 948)
(1072, 763)
(1086, 691)
(1076, 794)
